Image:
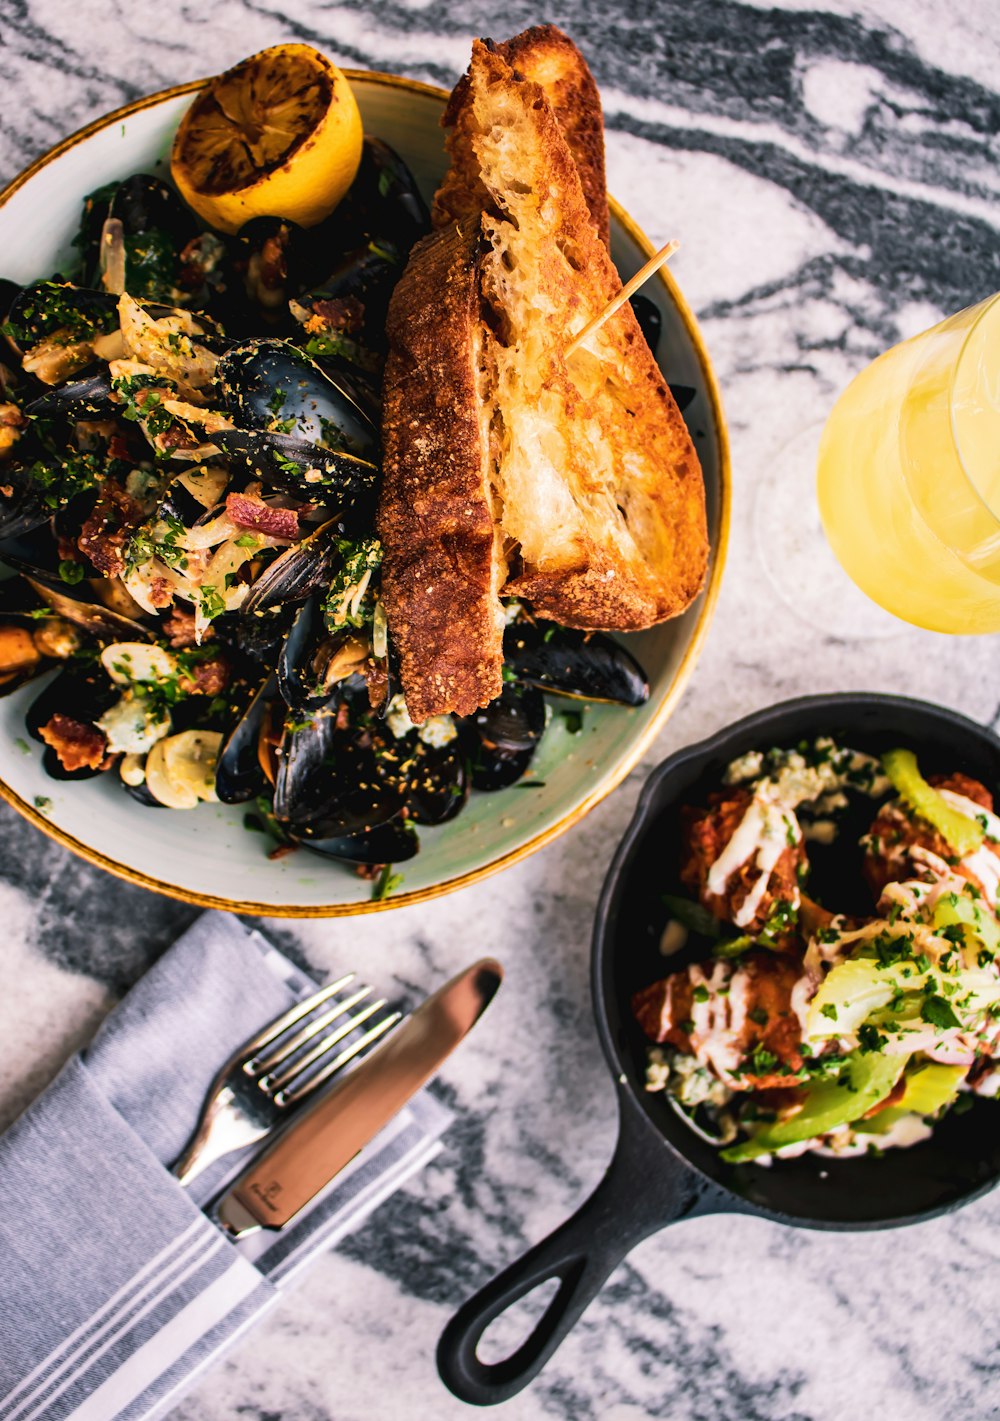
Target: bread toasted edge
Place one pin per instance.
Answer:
(442, 569)
(547, 56)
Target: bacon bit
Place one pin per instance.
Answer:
(344, 315)
(343, 716)
(179, 628)
(160, 592)
(105, 533)
(176, 437)
(78, 746)
(282, 851)
(377, 681)
(208, 678)
(261, 517)
(272, 268)
(68, 551)
(369, 870)
(118, 448)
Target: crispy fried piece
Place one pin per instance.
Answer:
(895, 832)
(106, 531)
(755, 1013)
(78, 746)
(551, 60)
(179, 627)
(706, 834)
(441, 572)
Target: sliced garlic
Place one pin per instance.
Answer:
(130, 663)
(189, 761)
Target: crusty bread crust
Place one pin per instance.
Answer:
(600, 486)
(441, 571)
(549, 58)
(508, 468)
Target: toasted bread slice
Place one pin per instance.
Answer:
(443, 567)
(509, 469)
(550, 59)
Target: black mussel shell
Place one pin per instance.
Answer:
(47, 306)
(368, 274)
(591, 666)
(647, 313)
(81, 692)
(269, 382)
(363, 388)
(294, 574)
(296, 676)
(383, 202)
(141, 794)
(492, 771)
(285, 462)
(512, 723)
(386, 843)
(87, 398)
(144, 203)
(156, 226)
(22, 508)
(290, 259)
(328, 780)
(239, 775)
(8, 291)
(78, 605)
(437, 784)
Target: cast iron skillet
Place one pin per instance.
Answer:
(661, 1170)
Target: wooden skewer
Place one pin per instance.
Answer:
(642, 275)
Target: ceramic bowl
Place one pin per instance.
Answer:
(206, 855)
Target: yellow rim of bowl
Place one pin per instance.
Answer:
(663, 711)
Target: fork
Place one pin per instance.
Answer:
(277, 1069)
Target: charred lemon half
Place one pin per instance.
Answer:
(279, 135)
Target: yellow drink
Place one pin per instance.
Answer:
(909, 476)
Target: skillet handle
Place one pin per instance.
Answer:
(646, 1187)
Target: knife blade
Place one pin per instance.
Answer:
(326, 1135)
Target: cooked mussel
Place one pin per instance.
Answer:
(437, 782)
(587, 665)
(78, 605)
(328, 779)
(154, 226)
(81, 694)
(239, 773)
(44, 308)
(86, 398)
(500, 740)
(286, 462)
(270, 385)
(392, 842)
(22, 506)
(294, 574)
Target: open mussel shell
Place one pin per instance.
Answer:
(392, 842)
(44, 307)
(81, 692)
(295, 574)
(144, 205)
(501, 739)
(76, 604)
(86, 398)
(296, 466)
(328, 781)
(437, 782)
(296, 673)
(512, 723)
(266, 383)
(587, 665)
(239, 774)
(141, 793)
(22, 508)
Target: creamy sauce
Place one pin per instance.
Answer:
(718, 1022)
(770, 824)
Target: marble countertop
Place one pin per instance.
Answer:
(832, 172)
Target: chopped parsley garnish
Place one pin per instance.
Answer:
(386, 883)
(936, 1011)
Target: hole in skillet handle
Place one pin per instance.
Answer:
(645, 1188)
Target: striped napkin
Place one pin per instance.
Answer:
(115, 1289)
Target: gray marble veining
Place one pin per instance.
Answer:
(832, 172)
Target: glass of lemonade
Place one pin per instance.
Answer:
(909, 476)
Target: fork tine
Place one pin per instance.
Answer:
(296, 1013)
(299, 1092)
(275, 1080)
(263, 1064)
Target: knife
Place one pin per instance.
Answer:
(326, 1135)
